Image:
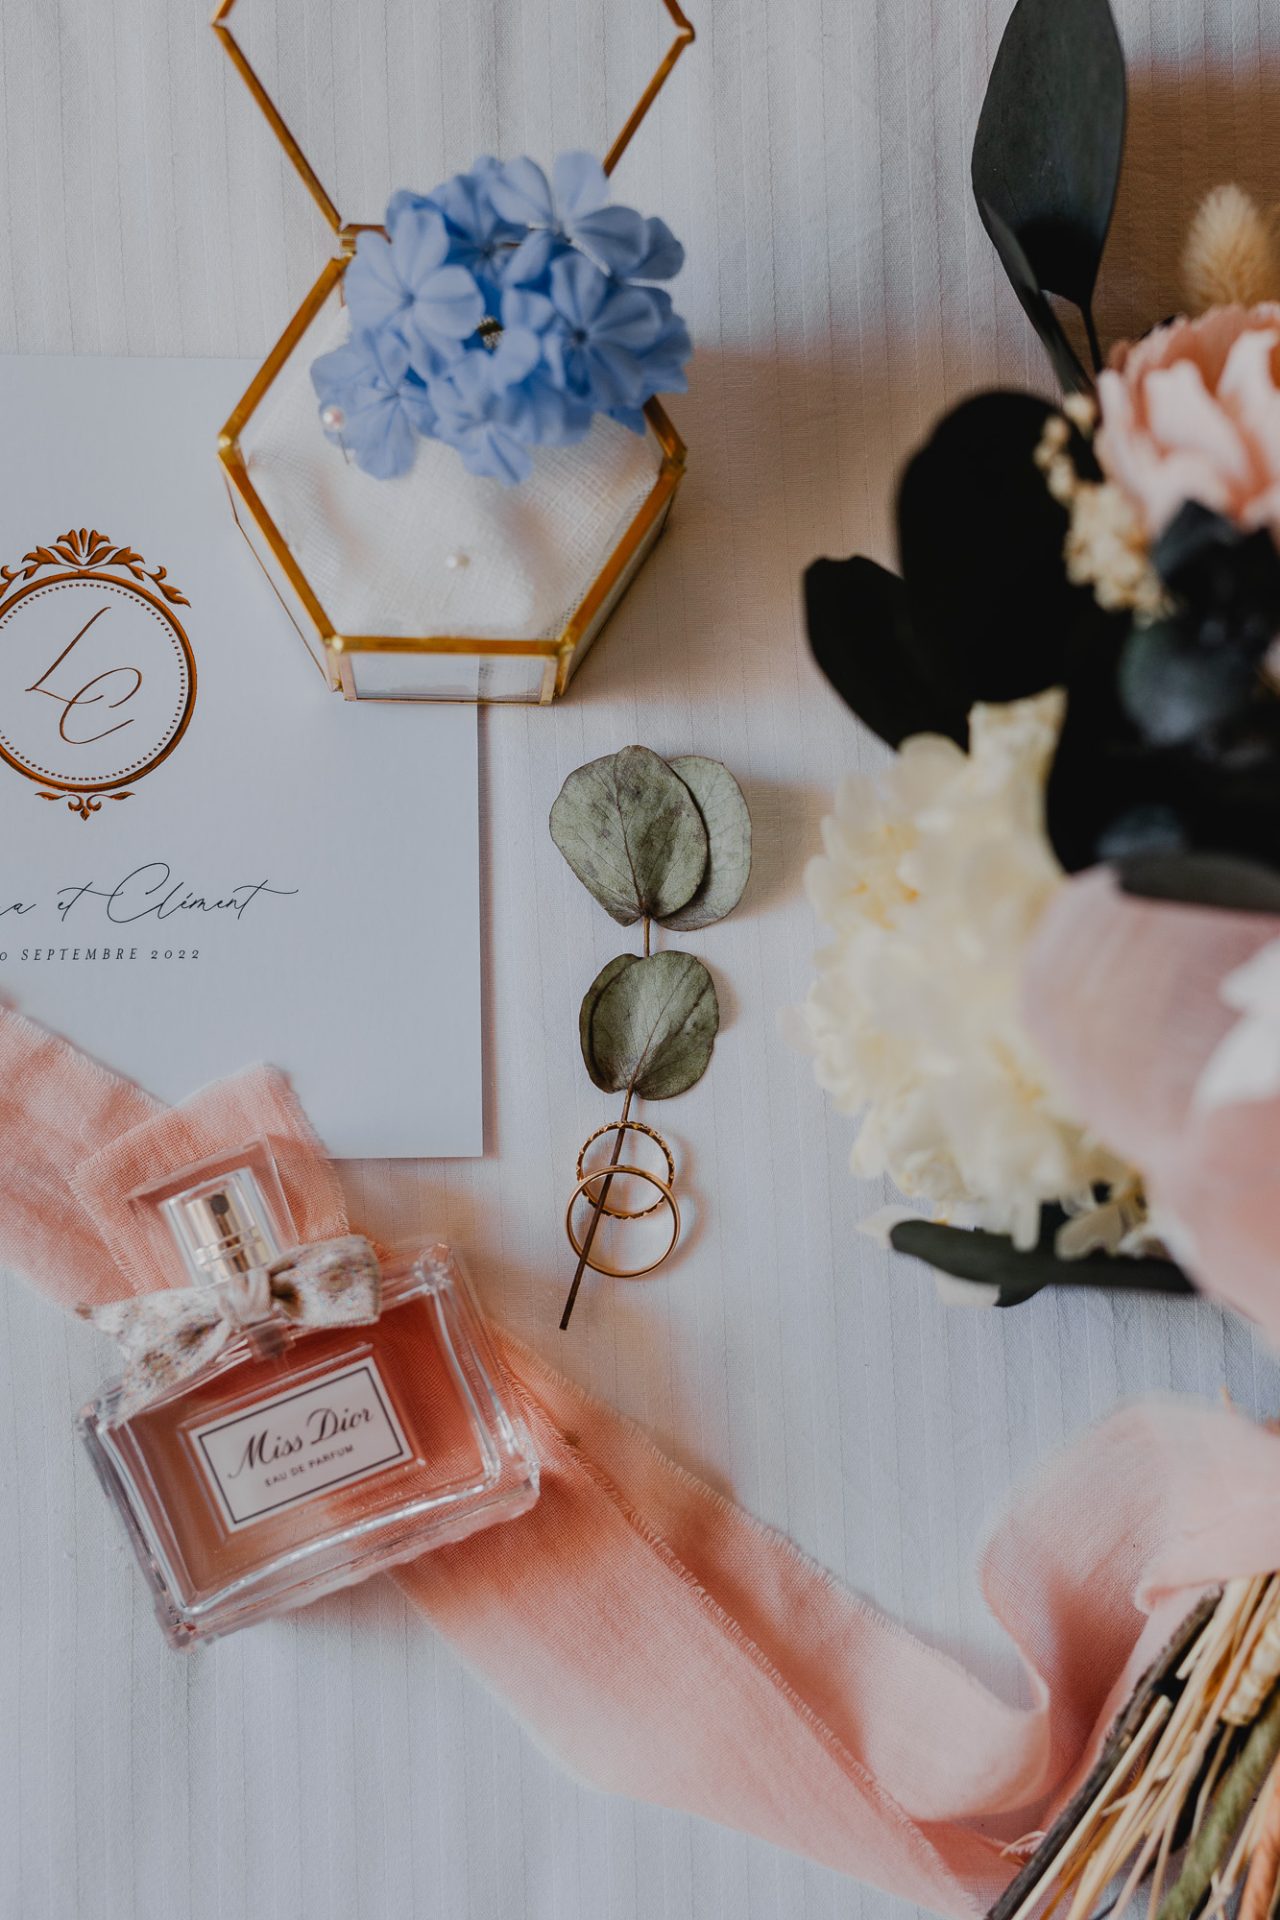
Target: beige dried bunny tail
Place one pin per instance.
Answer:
(1230, 257)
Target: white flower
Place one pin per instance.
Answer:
(932, 880)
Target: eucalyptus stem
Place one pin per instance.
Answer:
(603, 1195)
(1230, 1803)
(597, 1213)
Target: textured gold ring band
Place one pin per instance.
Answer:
(600, 1173)
(666, 1198)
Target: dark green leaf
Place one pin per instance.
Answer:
(1103, 773)
(1222, 572)
(1203, 880)
(981, 544)
(860, 633)
(992, 1260)
(1112, 794)
(719, 800)
(608, 972)
(653, 1026)
(1176, 689)
(1046, 157)
(632, 833)
(1063, 357)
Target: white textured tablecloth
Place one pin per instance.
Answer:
(814, 157)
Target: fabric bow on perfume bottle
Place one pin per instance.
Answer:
(651, 1634)
(170, 1335)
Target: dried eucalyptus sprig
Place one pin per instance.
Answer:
(653, 841)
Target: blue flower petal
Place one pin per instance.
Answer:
(383, 409)
(430, 353)
(663, 254)
(333, 374)
(514, 358)
(404, 201)
(367, 360)
(419, 245)
(629, 317)
(479, 238)
(374, 292)
(527, 266)
(614, 237)
(382, 438)
(418, 410)
(449, 303)
(581, 186)
(665, 361)
(465, 206)
(463, 391)
(521, 193)
(551, 417)
(489, 447)
(578, 289)
(495, 452)
(533, 311)
(613, 375)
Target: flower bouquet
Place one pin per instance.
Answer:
(1051, 988)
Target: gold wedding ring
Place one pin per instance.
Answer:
(601, 1173)
(665, 1198)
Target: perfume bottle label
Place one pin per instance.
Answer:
(298, 1443)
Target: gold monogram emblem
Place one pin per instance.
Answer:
(97, 677)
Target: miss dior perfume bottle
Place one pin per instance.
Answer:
(288, 1424)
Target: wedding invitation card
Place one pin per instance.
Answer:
(208, 858)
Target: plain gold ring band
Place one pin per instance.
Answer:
(665, 1196)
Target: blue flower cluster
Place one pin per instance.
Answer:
(499, 313)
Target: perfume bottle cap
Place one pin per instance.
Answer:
(222, 1227)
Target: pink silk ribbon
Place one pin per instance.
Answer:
(654, 1637)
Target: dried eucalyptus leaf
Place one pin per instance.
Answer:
(724, 813)
(632, 833)
(587, 1009)
(653, 1027)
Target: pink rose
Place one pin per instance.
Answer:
(1192, 412)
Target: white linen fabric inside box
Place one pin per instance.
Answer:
(440, 550)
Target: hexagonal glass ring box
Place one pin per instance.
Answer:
(438, 585)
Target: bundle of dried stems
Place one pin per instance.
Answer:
(1187, 1790)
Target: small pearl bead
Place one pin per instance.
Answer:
(455, 560)
(333, 419)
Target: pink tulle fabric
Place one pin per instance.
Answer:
(1192, 412)
(1125, 998)
(653, 1636)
